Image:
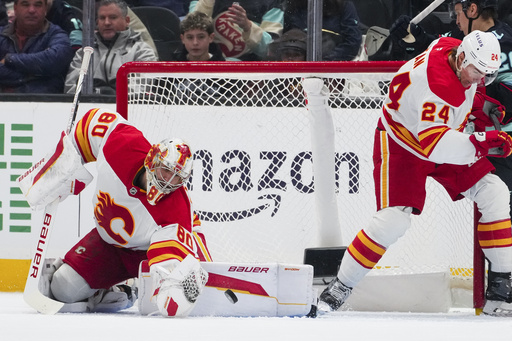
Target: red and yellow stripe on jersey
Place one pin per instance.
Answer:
(428, 138)
(495, 234)
(365, 251)
(167, 250)
(82, 136)
(401, 133)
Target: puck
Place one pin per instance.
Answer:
(231, 296)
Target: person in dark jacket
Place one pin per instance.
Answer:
(3, 13)
(34, 53)
(62, 14)
(197, 38)
(341, 36)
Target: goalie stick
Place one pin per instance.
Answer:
(35, 283)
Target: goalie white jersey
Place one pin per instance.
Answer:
(427, 107)
(122, 213)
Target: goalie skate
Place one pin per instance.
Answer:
(333, 296)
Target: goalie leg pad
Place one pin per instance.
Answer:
(177, 290)
(68, 286)
(112, 300)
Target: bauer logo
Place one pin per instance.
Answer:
(268, 178)
(254, 269)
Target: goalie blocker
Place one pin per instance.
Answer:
(243, 289)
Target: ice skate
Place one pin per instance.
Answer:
(333, 296)
(498, 295)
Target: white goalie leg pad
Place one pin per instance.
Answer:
(57, 175)
(114, 299)
(68, 286)
(245, 290)
(177, 289)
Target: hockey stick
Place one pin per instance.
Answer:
(429, 9)
(493, 114)
(35, 283)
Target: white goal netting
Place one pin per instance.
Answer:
(253, 180)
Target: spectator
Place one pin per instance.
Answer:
(197, 38)
(115, 44)
(34, 53)
(341, 36)
(3, 14)
(62, 14)
(59, 13)
(135, 23)
(243, 29)
(291, 47)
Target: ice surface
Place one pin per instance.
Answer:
(19, 322)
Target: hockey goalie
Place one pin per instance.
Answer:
(146, 229)
(141, 212)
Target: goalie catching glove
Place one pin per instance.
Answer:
(178, 285)
(492, 143)
(55, 176)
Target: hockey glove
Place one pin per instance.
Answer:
(493, 143)
(402, 27)
(483, 107)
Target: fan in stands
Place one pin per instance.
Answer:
(419, 135)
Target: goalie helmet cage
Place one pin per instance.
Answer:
(253, 180)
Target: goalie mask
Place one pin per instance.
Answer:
(168, 165)
(482, 50)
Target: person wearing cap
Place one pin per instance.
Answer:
(291, 47)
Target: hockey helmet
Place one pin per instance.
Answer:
(482, 50)
(481, 4)
(168, 165)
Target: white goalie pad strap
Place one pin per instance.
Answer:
(57, 175)
(244, 289)
(177, 290)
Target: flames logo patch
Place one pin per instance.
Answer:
(185, 154)
(114, 218)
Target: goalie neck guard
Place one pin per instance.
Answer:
(482, 50)
(168, 165)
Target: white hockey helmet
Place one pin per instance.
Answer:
(481, 49)
(168, 165)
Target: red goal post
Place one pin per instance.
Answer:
(253, 182)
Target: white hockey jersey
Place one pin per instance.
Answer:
(427, 107)
(122, 213)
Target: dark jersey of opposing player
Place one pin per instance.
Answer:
(501, 88)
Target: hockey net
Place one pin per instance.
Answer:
(253, 180)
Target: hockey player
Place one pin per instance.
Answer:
(419, 135)
(141, 211)
(476, 15)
